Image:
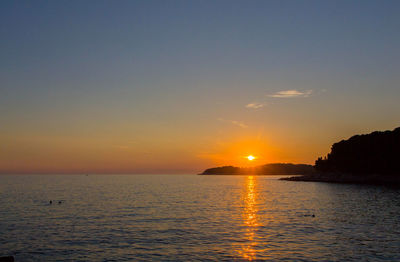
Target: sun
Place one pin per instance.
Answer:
(250, 158)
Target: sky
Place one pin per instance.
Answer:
(181, 86)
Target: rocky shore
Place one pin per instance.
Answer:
(345, 178)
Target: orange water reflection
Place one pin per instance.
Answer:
(248, 250)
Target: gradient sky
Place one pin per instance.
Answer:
(180, 86)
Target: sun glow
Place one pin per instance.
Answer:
(250, 158)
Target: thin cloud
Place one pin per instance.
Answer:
(255, 105)
(292, 93)
(234, 122)
(121, 147)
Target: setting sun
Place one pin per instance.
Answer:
(250, 158)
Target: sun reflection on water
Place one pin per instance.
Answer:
(248, 250)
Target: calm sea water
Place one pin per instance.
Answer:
(188, 217)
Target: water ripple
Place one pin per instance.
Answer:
(195, 218)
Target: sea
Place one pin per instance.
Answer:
(195, 218)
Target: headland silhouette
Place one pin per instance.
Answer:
(268, 169)
(369, 158)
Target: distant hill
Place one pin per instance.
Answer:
(268, 169)
(374, 153)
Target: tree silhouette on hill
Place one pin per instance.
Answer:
(375, 153)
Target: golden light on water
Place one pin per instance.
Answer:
(250, 220)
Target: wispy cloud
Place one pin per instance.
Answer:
(123, 147)
(292, 93)
(127, 145)
(234, 122)
(255, 105)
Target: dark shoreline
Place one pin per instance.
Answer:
(202, 174)
(344, 178)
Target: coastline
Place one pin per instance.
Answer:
(344, 178)
(244, 174)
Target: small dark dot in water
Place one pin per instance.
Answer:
(7, 259)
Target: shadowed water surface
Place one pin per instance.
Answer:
(187, 217)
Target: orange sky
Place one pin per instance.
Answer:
(138, 87)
